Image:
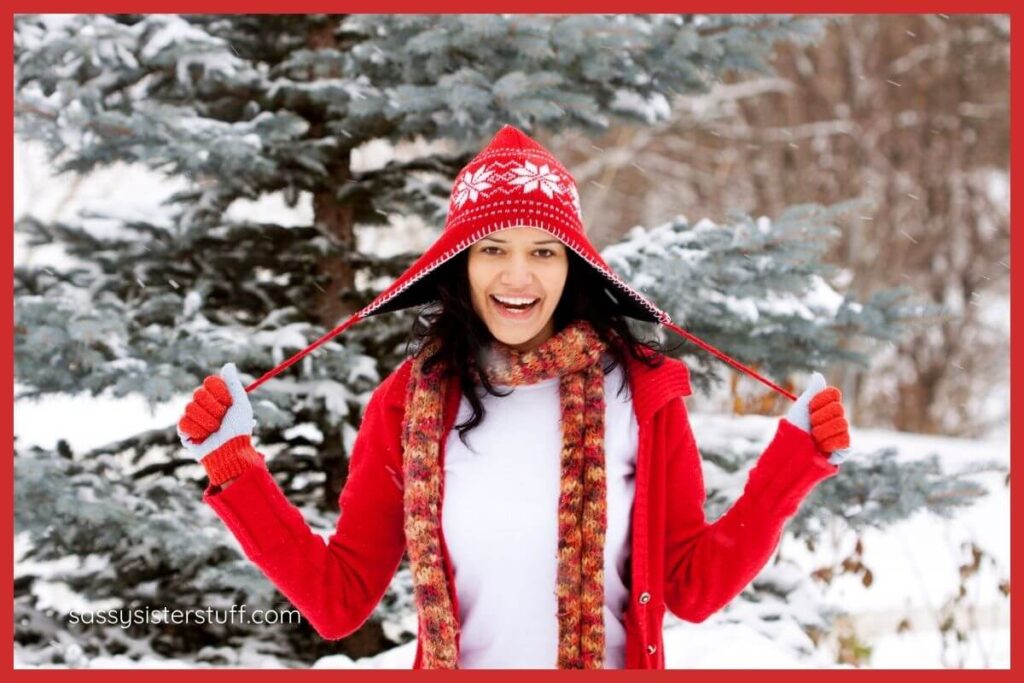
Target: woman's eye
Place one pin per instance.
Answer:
(544, 253)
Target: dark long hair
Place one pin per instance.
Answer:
(452, 320)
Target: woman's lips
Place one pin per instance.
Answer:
(512, 314)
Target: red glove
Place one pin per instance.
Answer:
(217, 426)
(204, 413)
(829, 427)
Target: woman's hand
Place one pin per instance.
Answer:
(219, 411)
(819, 411)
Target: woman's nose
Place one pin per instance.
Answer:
(516, 272)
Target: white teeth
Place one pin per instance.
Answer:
(514, 301)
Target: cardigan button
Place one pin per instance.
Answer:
(645, 598)
(651, 649)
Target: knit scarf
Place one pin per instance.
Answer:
(574, 356)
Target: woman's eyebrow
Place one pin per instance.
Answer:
(495, 239)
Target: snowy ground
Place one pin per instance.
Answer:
(914, 562)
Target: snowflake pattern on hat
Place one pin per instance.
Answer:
(532, 178)
(472, 185)
(528, 176)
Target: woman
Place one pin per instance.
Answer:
(532, 456)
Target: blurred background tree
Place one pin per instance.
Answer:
(909, 113)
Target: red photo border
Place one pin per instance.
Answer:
(526, 7)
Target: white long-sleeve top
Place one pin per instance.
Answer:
(500, 515)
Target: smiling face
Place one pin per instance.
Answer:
(516, 277)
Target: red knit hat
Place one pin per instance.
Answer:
(514, 181)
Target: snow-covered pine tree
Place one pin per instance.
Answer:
(762, 290)
(233, 108)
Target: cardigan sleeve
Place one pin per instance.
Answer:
(708, 564)
(335, 584)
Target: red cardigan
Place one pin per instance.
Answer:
(679, 561)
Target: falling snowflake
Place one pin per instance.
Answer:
(575, 199)
(471, 185)
(530, 177)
